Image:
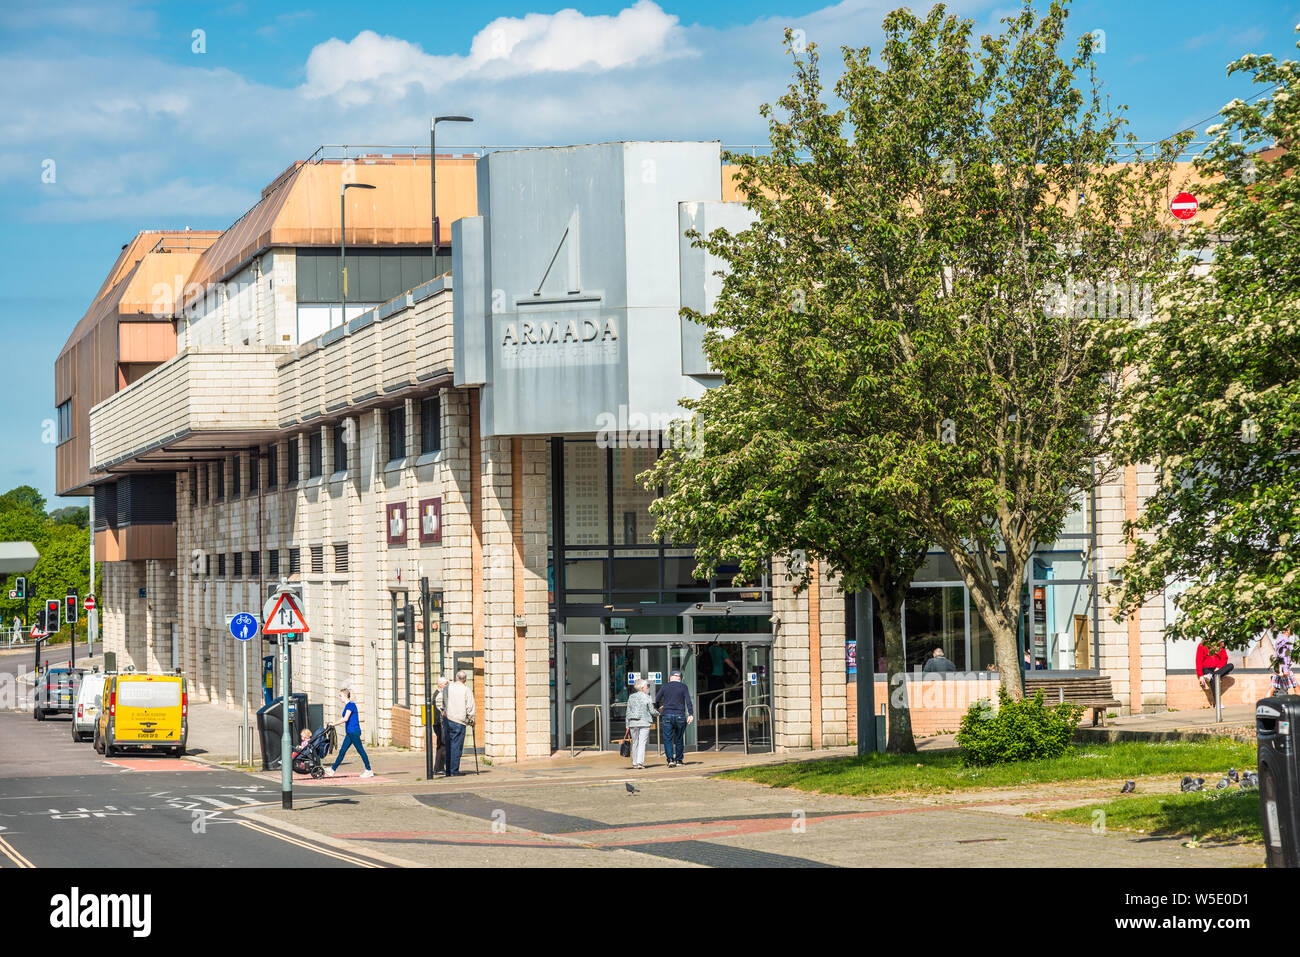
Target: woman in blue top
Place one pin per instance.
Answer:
(352, 729)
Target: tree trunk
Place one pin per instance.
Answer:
(1003, 622)
(899, 739)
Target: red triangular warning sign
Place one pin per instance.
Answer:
(285, 618)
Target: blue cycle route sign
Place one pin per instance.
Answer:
(243, 626)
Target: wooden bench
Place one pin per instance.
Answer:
(1090, 693)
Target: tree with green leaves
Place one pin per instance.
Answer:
(1215, 396)
(909, 334)
(64, 549)
(1045, 236)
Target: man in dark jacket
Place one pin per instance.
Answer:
(676, 711)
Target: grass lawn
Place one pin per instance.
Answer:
(1229, 815)
(942, 771)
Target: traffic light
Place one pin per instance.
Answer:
(408, 623)
(72, 602)
(52, 614)
(20, 586)
(39, 621)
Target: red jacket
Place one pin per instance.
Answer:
(1206, 660)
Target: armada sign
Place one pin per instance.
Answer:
(560, 339)
(542, 332)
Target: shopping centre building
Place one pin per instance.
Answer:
(463, 435)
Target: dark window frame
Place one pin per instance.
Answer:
(431, 431)
(397, 433)
(315, 455)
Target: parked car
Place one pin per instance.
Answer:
(56, 692)
(89, 702)
(143, 711)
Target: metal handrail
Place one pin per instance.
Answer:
(744, 720)
(600, 739)
(721, 700)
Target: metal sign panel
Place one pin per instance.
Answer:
(577, 270)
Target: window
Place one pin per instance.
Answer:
(220, 472)
(194, 486)
(254, 472)
(318, 559)
(273, 561)
(273, 466)
(341, 445)
(430, 427)
(293, 460)
(234, 476)
(221, 565)
(65, 421)
(341, 558)
(397, 433)
(314, 464)
(295, 562)
(239, 564)
(254, 563)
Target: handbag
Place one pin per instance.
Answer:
(625, 747)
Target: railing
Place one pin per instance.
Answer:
(722, 701)
(744, 715)
(600, 738)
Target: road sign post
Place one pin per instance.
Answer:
(244, 627)
(92, 625)
(284, 620)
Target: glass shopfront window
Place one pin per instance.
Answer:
(609, 552)
(935, 618)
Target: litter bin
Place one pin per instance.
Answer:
(270, 727)
(1279, 779)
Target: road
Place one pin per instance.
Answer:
(20, 662)
(62, 805)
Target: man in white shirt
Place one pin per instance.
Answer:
(456, 702)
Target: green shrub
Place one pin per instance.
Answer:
(1018, 731)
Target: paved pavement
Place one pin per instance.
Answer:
(1238, 722)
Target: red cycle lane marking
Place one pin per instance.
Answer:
(157, 764)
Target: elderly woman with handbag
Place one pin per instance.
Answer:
(640, 718)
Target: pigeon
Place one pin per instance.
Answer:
(1128, 788)
(1233, 776)
(1191, 784)
(1249, 781)
(631, 788)
(1225, 783)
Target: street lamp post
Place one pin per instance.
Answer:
(433, 178)
(343, 238)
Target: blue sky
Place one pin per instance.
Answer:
(148, 130)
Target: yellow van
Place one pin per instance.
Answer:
(150, 712)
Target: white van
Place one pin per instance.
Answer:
(90, 699)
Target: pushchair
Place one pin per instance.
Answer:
(307, 757)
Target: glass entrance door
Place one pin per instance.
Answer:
(757, 715)
(721, 698)
(583, 705)
(625, 663)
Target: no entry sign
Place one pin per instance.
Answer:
(1184, 206)
(89, 603)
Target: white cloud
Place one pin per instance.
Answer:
(151, 142)
(371, 66)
